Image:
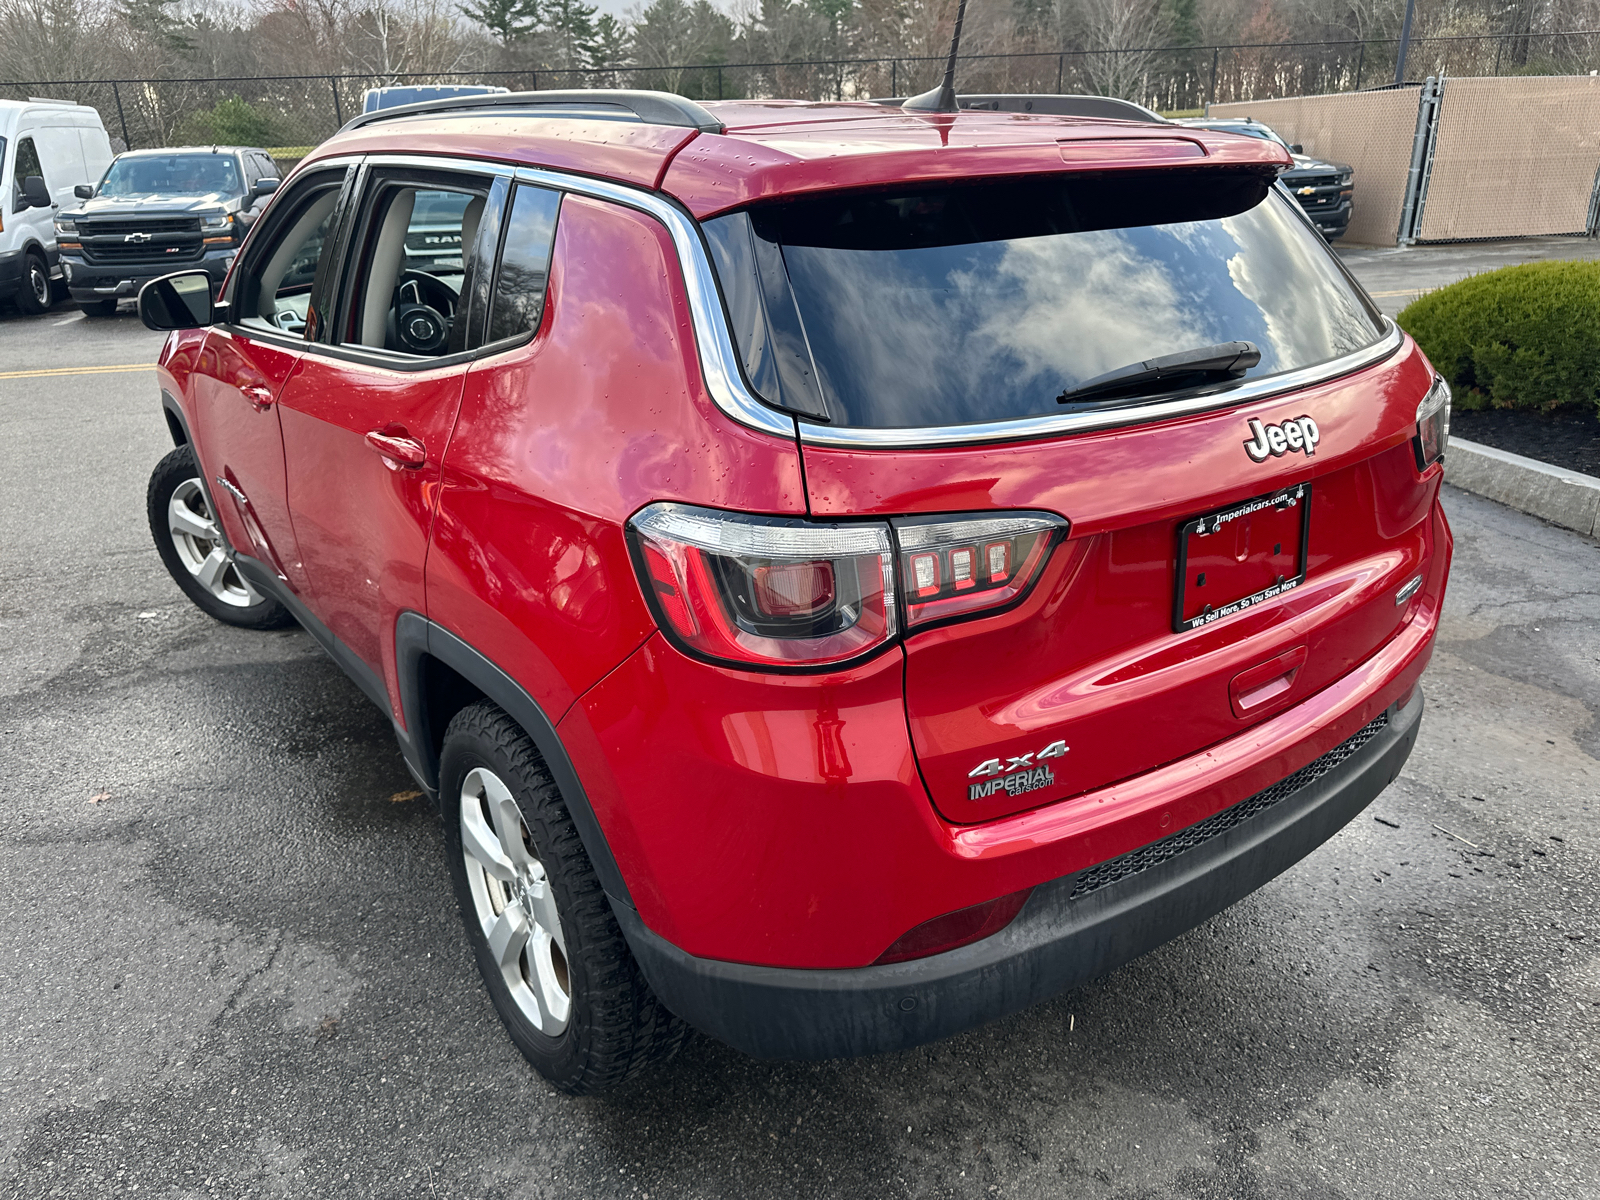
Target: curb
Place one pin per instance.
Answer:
(1569, 499)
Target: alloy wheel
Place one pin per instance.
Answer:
(201, 549)
(515, 906)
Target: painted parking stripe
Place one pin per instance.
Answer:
(77, 371)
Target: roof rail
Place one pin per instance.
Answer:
(651, 108)
(1105, 107)
(1108, 107)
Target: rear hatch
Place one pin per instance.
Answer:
(1237, 526)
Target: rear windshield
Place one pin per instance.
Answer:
(173, 175)
(986, 302)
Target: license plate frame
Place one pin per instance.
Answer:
(1210, 524)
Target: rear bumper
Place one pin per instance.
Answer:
(1071, 930)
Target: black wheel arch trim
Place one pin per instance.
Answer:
(177, 423)
(416, 639)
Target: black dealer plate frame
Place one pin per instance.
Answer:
(1300, 494)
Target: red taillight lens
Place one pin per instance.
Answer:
(766, 591)
(962, 566)
(959, 928)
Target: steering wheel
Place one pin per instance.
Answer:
(423, 318)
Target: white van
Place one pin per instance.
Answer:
(47, 148)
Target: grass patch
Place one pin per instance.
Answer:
(1520, 337)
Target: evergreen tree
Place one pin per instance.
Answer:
(569, 26)
(509, 20)
(158, 21)
(612, 42)
(1183, 20)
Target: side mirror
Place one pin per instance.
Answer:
(1297, 148)
(265, 187)
(35, 192)
(84, 191)
(180, 301)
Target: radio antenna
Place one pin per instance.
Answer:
(943, 98)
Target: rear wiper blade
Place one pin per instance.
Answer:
(1226, 359)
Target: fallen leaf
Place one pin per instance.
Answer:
(99, 796)
(402, 797)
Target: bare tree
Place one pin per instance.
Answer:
(1119, 36)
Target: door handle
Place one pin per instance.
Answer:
(260, 397)
(397, 449)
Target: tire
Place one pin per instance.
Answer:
(192, 547)
(571, 995)
(34, 296)
(100, 308)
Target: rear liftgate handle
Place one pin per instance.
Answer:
(1261, 685)
(397, 448)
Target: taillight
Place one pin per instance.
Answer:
(952, 567)
(1433, 425)
(766, 591)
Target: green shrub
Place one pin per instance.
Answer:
(234, 122)
(1521, 337)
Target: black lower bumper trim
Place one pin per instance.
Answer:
(1059, 940)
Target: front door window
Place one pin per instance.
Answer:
(27, 164)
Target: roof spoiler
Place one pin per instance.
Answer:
(650, 108)
(1104, 107)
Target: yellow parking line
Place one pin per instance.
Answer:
(77, 371)
(1405, 292)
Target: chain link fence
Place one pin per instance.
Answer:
(291, 113)
(1456, 159)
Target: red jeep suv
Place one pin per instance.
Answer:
(845, 573)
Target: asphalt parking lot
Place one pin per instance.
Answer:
(1395, 277)
(231, 964)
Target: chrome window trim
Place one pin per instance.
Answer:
(1019, 429)
(719, 360)
(724, 378)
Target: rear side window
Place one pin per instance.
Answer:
(985, 302)
(523, 275)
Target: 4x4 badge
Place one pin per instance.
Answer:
(1020, 773)
(1299, 433)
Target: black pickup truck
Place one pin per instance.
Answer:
(1324, 189)
(157, 211)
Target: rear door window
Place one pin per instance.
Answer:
(983, 302)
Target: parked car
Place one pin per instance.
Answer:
(1326, 190)
(47, 148)
(158, 209)
(844, 574)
